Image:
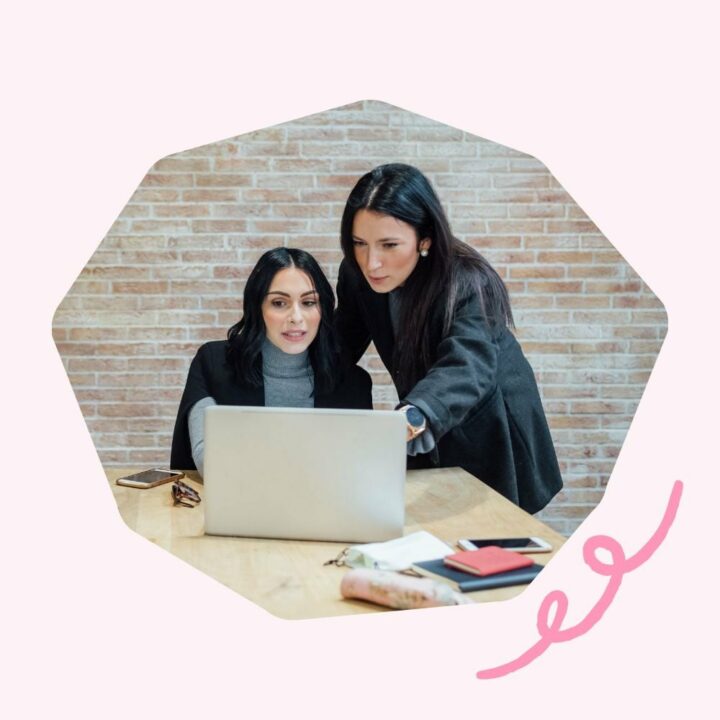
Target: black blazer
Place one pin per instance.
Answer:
(210, 375)
(480, 396)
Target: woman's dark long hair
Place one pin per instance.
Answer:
(451, 270)
(246, 337)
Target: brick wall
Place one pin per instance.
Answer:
(170, 273)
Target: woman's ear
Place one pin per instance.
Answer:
(424, 245)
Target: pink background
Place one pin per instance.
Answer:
(618, 103)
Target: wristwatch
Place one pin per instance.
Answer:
(415, 421)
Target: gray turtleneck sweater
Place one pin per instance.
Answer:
(287, 380)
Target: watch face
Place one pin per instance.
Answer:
(414, 417)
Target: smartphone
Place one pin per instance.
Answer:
(150, 478)
(518, 544)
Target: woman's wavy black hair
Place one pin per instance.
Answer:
(246, 337)
(451, 269)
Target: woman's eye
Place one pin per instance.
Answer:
(278, 303)
(389, 246)
(358, 243)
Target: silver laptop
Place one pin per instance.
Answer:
(306, 474)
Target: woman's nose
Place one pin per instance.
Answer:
(295, 313)
(373, 260)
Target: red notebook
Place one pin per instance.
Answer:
(487, 561)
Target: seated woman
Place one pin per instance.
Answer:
(282, 353)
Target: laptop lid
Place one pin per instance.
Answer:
(307, 474)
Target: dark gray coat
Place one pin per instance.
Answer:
(480, 396)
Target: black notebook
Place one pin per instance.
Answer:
(466, 582)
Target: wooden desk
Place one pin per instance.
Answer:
(287, 577)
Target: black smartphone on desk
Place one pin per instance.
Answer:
(150, 478)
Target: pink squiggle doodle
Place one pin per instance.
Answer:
(619, 565)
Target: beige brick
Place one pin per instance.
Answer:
(447, 149)
(537, 271)
(211, 195)
(568, 421)
(545, 347)
(515, 226)
(637, 301)
(596, 408)
(264, 135)
(176, 180)
(325, 195)
(181, 271)
(148, 457)
(651, 347)
(231, 271)
(126, 409)
(504, 242)
(478, 210)
(555, 195)
(583, 301)
(278, 226)
(532, 301)
(443, 181)
(570, 226)
(181, 164)
(302, 165)
(364, 134)
(611, 287)
(521, 180)
(242, 165)
(567, 511)
(223, 180)
(179, 210)
(219, 226)
(241, 242)
(551, 242)
(538, 210)
(167, 226)
(269, 149)
(137, 287)
(291, 181)
(262, 195)
(113, 458)
(647, 317)
(554, 287)
(595, 271)
(168, 302)
(152, 195)
(138, 242)
(134, 211)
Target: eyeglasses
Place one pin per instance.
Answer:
(184, 495)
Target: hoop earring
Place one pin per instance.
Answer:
(424, 252)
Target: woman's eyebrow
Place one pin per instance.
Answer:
(384, 239)
(287, 295)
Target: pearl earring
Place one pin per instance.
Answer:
(424, 252)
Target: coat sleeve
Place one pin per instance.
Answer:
(463, 374)
(196, 388)
(350, 325)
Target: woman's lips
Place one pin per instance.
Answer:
(377, 280)
(295, 335)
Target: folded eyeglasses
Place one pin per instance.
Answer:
(184, 495)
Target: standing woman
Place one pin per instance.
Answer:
(282, 353)
(439, 314)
